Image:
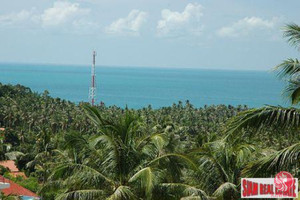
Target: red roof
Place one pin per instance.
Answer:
(16, 189)
(10, 164)
(14, 171)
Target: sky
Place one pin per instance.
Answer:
(210, 34)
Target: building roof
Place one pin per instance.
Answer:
(13, 169)
(2, 129)
(10, 164)
(16, 189)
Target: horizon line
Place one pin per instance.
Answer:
(129, 66)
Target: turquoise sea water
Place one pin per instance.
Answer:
(139, 87)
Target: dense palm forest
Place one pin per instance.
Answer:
(71, 151)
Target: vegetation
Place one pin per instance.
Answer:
(285, 120)
(71, 151)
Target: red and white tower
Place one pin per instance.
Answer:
(92, 92)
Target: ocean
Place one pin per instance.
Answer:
(138, 87)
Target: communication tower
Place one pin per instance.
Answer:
(92, 91)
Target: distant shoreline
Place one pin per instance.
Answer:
(134, 67)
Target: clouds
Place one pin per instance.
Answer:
(173, 23)
(63, 12)
(245, 26)
(63, 16)
(68, 18)
(130, 25)
(15, 18)
(187, 22)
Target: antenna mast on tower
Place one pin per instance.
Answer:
(92, 92)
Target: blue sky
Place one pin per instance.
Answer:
(212, 34)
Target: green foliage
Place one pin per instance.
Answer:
(9, 197)
(292, 33)
(285, 120)
(121, 151)
(3, 170)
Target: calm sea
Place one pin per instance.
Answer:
(138, 87)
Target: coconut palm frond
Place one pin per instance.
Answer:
(196, 192)
(226, 191)
(147, 179)
(30, 164)
(243, 153)
(292, 33)
(92, 178)
(92, 194)
(159, 140)
(94, 115)
(292, 91)
(181, 157)
(63, 171)
(122, 193)
(266, 116)
(285, 159)
(111, 147)
(214, 165)
(288, 68)
(191, 198)
(13, 155)
(105, 140)
(153, 143)
(68, 169)
(75, 140)
(51, 185)
(190, 192)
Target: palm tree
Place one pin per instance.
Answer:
(120, 162)
(220, 165)
(280, 118)
(9, 197)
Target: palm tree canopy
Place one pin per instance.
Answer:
(280, 118)
(263, 117)
(292, 32)
(287, 159)
(290, 68)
